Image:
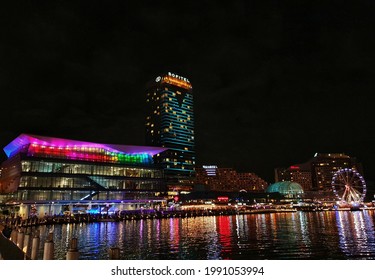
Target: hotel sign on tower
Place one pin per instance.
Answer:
(170, 124)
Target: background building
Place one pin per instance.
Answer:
(170, 124)
(228, 179)
(300, 174)
(52, 175)
(316, 174)
(289, 191)
(323, 166)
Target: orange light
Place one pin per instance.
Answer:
(176, 82)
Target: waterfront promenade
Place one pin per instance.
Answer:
(167, 231)
(18, 222)
(188, 212)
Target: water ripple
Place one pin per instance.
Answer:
(300, 235)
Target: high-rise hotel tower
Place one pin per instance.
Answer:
(170, 124)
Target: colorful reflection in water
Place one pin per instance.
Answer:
(356, 231)
(298, 235)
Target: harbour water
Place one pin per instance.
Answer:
(320, 235)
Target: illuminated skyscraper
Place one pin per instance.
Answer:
(170, 124)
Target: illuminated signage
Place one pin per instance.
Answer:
(294, 167)
(209, 166)
(210, 170)
(174, 79)
(178, 77)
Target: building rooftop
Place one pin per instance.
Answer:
(285, 188)
(25, 139)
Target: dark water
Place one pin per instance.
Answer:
(299, 235)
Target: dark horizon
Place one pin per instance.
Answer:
(273, 84)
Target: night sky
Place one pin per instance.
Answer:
(273, 82)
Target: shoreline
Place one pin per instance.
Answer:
(149, 214)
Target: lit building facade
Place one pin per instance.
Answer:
(170, 124)
(316, 174)
(228, 179)
(300, 174)
(287, 189)
(323, 166)
(52, 175)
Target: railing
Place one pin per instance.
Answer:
(22, 244)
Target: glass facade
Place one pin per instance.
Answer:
(170, 124)
(286, 188)
(39, 170)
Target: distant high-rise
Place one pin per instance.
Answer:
(299, 173)
(170, 124)
(316, 174)
(323, 166)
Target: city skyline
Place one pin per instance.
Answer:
(273, 84)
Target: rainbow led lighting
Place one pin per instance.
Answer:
(41, 146)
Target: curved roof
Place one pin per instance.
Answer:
(25, 139)
(285, 188)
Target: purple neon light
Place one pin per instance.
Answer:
(25, 139)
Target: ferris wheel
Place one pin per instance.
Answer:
(348, 186)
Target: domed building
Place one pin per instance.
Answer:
(286, 188)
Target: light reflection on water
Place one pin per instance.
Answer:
(356, 233)
(298, 235)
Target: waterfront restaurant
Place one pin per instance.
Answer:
(48, 176)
